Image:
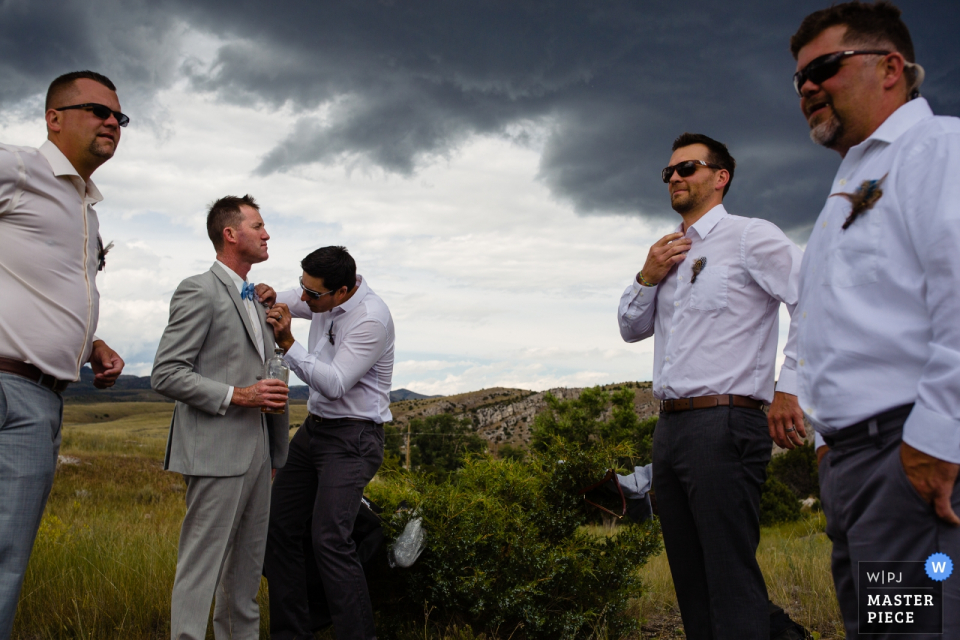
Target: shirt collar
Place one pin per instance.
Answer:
(705, 224)
(237, 280)
(62, 167)
(901, 120)
(356, 298)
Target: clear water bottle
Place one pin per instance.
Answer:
(275, 369)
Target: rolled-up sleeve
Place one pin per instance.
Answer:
(638, 306)
(361, 348)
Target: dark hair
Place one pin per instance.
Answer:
(61, 84)
(877, 24)
(717, 152)
(333, 265)
(224, 213)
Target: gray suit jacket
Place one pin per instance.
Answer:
(207, 346)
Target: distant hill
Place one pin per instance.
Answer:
(137, 389)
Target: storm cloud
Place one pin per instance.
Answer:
(602, 88)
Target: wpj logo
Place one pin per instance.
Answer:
(902, 597)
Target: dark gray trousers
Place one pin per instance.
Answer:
(708, 465)
(327, 468)
(874, 513)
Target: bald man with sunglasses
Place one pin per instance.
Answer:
(50, 253)
(710, 293)
(876, 329)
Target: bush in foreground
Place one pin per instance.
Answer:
(506, 550)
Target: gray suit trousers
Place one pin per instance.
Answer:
(708, 465)
(222, 542)
(874, 513)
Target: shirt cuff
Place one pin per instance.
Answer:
(933, 433)
(787, 382)
(226, 401)
(295, 354)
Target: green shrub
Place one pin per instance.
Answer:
(798, 469)
(506, 550)
(777, 503)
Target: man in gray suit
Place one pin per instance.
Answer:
(210, 360)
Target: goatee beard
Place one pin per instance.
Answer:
(101, 150)
(828, 132)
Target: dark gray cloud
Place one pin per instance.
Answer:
(397, 85)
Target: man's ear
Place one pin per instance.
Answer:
(892, 68)
(229, 235)
(54, 120)
(723, 179)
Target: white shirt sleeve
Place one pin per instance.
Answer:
(298, 308)
(637, 310)
(931, 208)
(12, 177)
(226, 402)
(773, 261)
(360, 350)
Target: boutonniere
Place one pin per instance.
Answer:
(863, 199)
(699, 265)
(102, 252)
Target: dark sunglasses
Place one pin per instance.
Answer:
(686, 169)
(315, 295)
(827, 66)
(101, 111)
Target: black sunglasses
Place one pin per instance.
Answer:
(827, 66)
(101, 111)
(686, 169)
(315, 295)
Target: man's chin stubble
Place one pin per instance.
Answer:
(101, 150)
(827, 132)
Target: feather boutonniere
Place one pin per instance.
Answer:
(863, 199)
(102, 252)
(698, 266)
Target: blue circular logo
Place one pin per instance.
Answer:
(939, 566)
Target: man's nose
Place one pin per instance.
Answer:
(304, 296)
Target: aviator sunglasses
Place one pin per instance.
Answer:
(101, 111)
(315, 295)
(827, 66)
(686, 169)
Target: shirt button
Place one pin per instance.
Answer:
(804, 314)
(667, 358)
(843, 181)
(677, 303)
(801, 362)
(809, 410)
(671, 330)
(824, 223)
(680, 277)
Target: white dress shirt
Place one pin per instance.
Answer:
(48, 260)
(350, 378)
(878, 322)
(718, 334)
(238, 282)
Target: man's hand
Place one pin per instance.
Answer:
(279, 318)
(106, 365)
(933, 479)
(266, 294)
(266, 393)
(785, 421)
(665, 253)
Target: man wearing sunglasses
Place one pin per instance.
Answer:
(348, 365)
(50, 252)
(876, 329)
(710, 293)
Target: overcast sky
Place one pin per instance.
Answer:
(492, 166)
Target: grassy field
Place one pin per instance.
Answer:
(105, 557)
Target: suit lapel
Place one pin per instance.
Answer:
(237, 301)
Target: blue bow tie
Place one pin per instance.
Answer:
(248, 292)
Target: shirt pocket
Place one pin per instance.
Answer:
(709, 291)
(855, 260)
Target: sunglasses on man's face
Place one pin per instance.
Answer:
(101, 111)
(826, 66)
(314, 295)
(685, 169)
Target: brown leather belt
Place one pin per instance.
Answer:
(30, 372)
(706, 402)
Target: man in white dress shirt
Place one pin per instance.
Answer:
(710, 293)
(877, 328)
(50, 252)
(348, 365)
